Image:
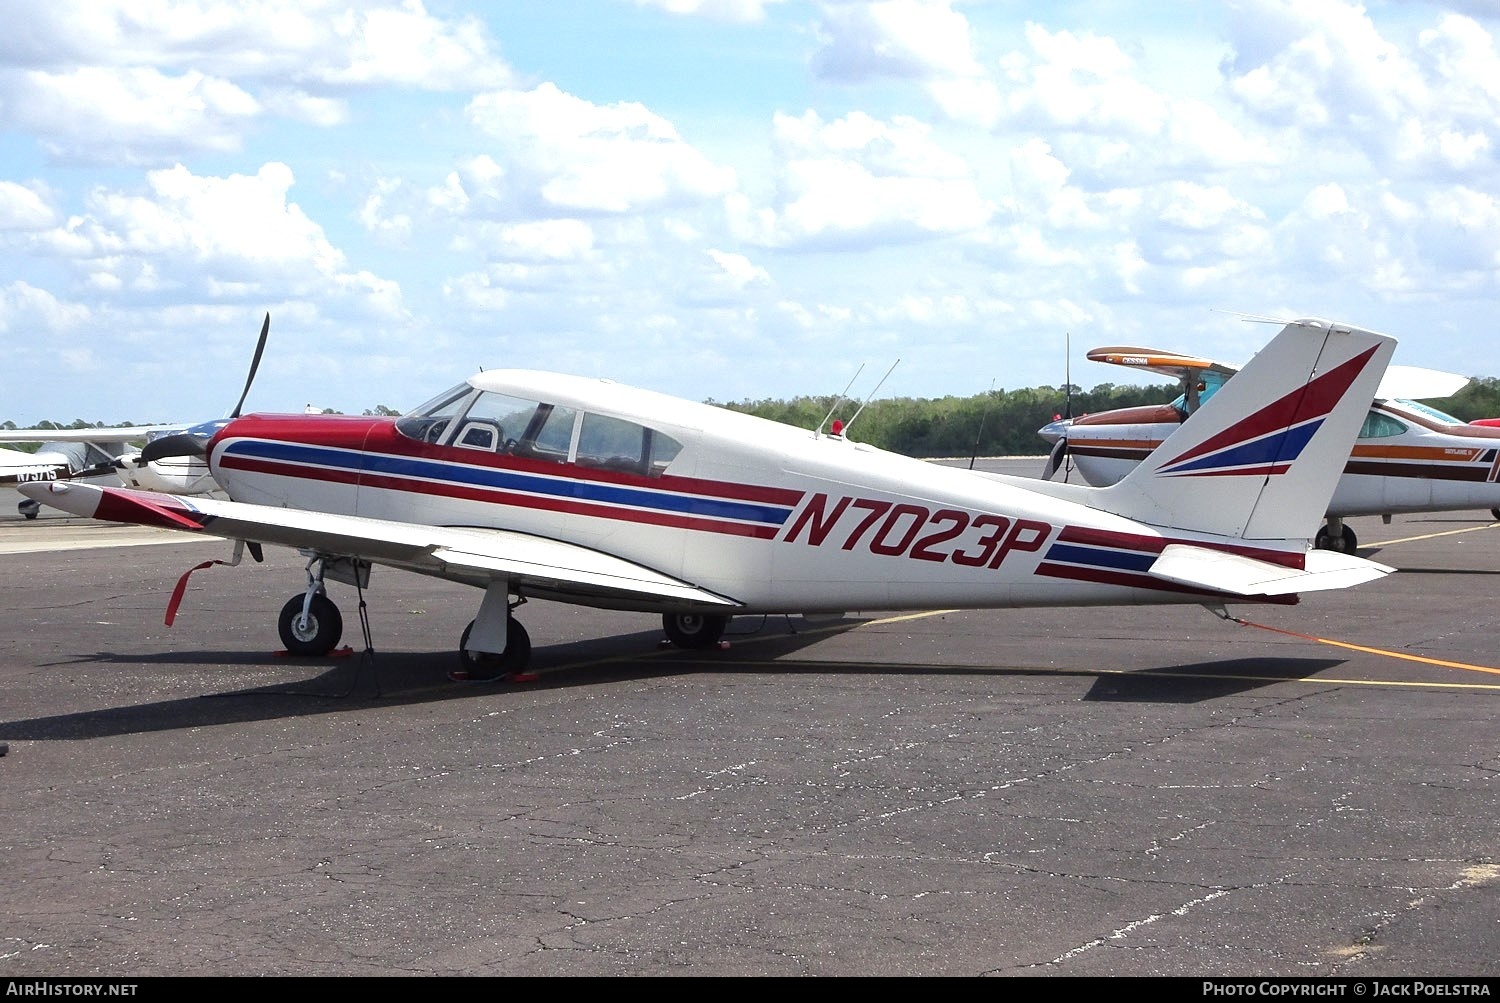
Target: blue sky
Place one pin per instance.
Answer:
(724, 199)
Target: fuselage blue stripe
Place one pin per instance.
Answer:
(381, 464)
(1096, 558)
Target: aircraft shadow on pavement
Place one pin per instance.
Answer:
(1204, 680)
(1370, 553)
(357, 681)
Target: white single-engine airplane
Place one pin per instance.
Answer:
(535, 485)
(1409, 457)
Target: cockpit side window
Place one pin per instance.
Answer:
(551, 438)
(611, 443)
(616, 444)
(495, 422)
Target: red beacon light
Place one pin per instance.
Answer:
(838, 427)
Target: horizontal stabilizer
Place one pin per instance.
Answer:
(1218, 571)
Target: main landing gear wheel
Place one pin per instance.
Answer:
(30, 507)
(487, 665)
(1344, 543)
(1496, 513)
(321, 631)
(693, 630)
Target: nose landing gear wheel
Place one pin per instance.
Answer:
(485, 665)
(693, 630)
(321, 631)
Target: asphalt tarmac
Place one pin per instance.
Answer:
(1077, 792)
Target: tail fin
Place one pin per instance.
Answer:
(1260, 459)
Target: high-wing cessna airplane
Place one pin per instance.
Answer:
(535, 485)
(1409, 457)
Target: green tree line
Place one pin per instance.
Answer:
(1005, 422)
(996, 423)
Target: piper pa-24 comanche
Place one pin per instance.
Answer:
(535, 485)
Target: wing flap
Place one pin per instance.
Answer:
(1219, 571)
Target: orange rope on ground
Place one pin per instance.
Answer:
(1371, 651)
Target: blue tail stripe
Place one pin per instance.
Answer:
(1281, 447)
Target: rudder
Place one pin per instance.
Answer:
(1260, 459)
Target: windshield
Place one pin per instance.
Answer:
(1430, 412)
(429, 421)
(1208, 384)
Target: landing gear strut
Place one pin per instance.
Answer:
(310, 623)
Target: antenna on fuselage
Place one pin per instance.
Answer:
(840, 399)
(872, 393)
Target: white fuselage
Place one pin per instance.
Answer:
(779, 519)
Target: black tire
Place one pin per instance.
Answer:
(485, 665)
(1495, 512)
(1345, 543)
(693, 630)
(30, 508)
(324, 627)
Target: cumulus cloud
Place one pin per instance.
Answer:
(923, 41)
(861, 179)
(23, 208)
(741, 11)
(103, 81)
(553, 151)
(209, 238)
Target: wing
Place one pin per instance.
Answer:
(125, 433)
(1415, 383)
(544, 568)
(1154, 360)
(1399, 382)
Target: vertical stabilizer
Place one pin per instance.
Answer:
(1260, 459)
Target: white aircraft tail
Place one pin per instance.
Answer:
(1260, 459)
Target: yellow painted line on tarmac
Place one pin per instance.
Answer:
(909, 616)
(1434, 536)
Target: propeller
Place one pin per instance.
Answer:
(1055, 458)
(1057, 430)
(194, 441)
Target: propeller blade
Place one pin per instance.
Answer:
(1055, 458)
(260, 346)
(180, 444)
